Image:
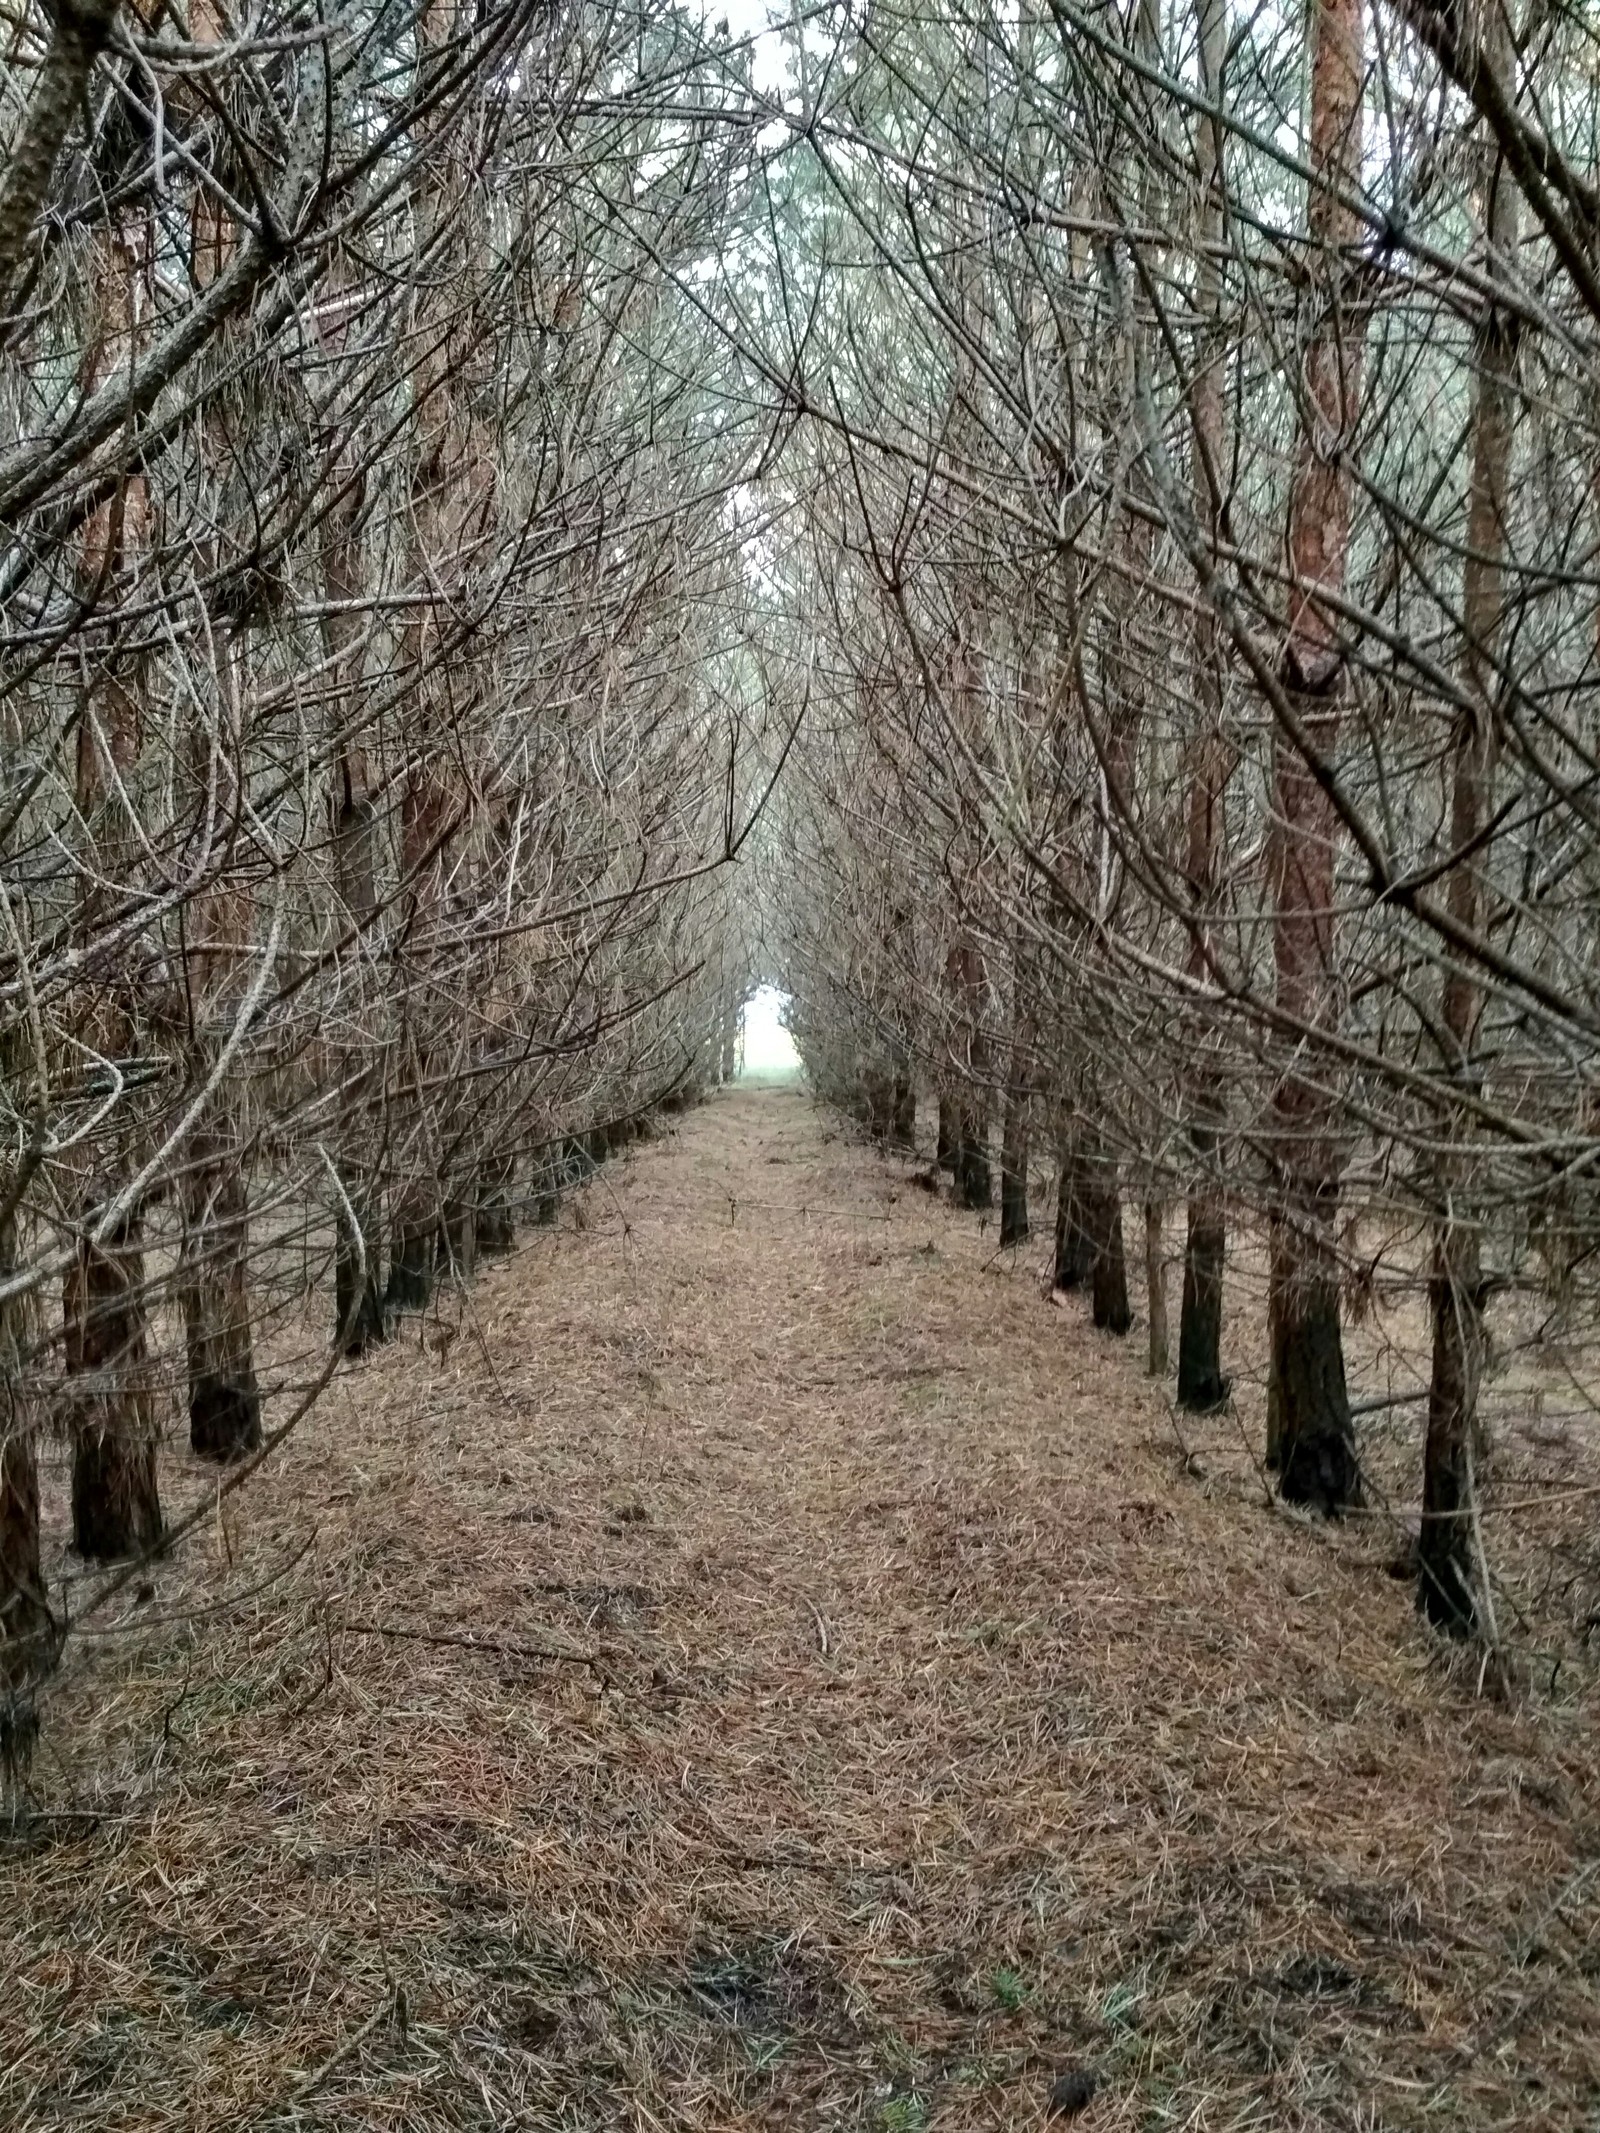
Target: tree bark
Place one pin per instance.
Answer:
(28, 1632)
(1316, 1443)
(1109, 1305)
(905, 1108)
(224, 1401)
(1014, 1170)
(1074, 1246)
(495, 1222)
(116, 1507)
(974, 1185)
(1155, 1275)
(1201, 1384)
(1446, 1585)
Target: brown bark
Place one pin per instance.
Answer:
(1316, 1444)
(1201, 1384)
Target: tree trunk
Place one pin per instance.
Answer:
(224, 1402)
(1201, 1385)
(1014, 1125)
(1155, 1276)
(28, 1636)
(905, 1110)
(1074, 1252)
(358, 1312)
(116, 1508)
(1014, 1170)
(1446, 1586)
(974, 1187)
(945, 1152)
(360, 1321)
(495, 1223)
(411, 1253)
(1109, 1306)
(878, 1094)
(1316, 1443)
(456, 1238)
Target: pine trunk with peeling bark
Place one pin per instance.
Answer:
(1315, 1441)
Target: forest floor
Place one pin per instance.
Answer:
(925, 1733)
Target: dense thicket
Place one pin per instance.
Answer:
(1195, 538)
(378, 694)
(1119, 487)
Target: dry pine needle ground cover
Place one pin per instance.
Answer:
(762, 1666)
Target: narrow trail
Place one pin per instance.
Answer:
(929, 1733)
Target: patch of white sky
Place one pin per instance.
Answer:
(768, 1046)
(765, 28)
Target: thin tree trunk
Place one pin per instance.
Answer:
(1201, 1384)
(28, 1635)
(1018, 1102)
(905, 1106)
(1446, 1585)
(974, 1184)
(1074, 1246)
(359, 1319)
(495, 1222)
(224, 1400)
(1315, 1440)
(1014, 1170)
(1109, 1305)
(1155, 1275)
(116, 1507)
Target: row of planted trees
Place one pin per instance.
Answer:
(1130, 473)
(1197, 534)
(376, 670)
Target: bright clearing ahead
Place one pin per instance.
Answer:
(768, 1047)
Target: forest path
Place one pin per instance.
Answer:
(942, 1736)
